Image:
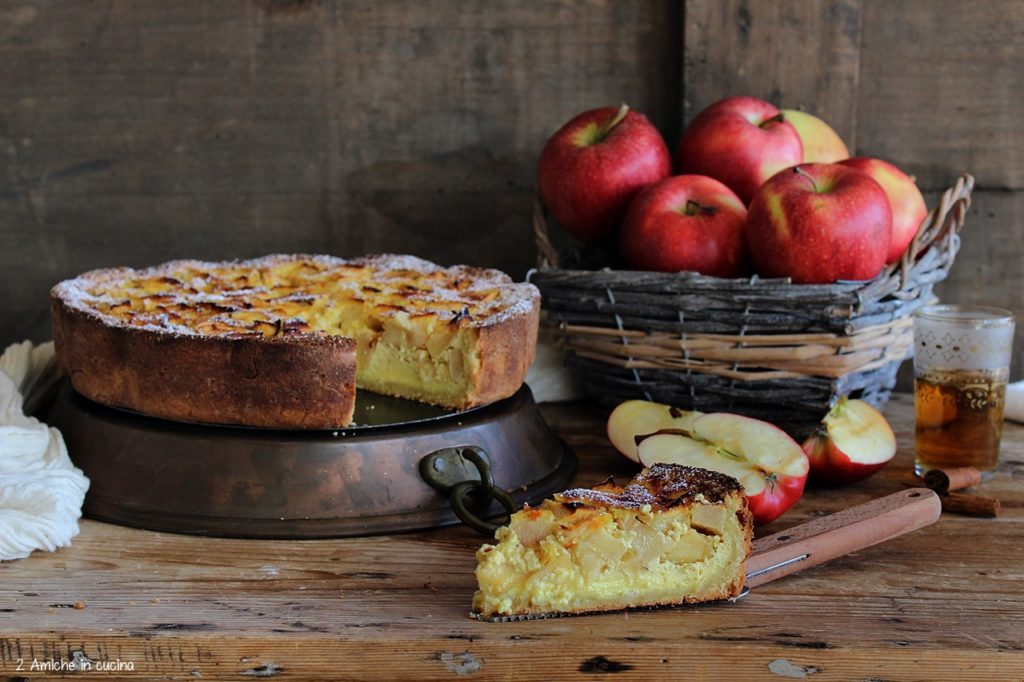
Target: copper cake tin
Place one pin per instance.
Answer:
(242, 482)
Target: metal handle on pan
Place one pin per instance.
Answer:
(463, 474)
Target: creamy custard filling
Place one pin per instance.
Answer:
(549, 561)
(414, 355)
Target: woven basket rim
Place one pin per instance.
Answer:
(943, 220)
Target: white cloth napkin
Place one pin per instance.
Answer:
(41, 491)
(1014, 408)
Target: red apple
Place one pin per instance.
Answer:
(905, 200)
(853, 442)
(686, 222)
(635, 418)
(821, 143)
(741, 141)
(819, 223)
(769, 464)
(595, 164)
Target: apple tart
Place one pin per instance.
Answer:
(283, 341)
(673, 535)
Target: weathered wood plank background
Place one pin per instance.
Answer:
(135, 132)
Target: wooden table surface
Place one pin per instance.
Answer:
(945, 602)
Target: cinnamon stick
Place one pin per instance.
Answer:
(943, 481)
(971, 505)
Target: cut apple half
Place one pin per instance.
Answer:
(636, 418)
(769, 464)
(853, 442)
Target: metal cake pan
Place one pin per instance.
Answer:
(243, 482)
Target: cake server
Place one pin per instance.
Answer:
(836, 535)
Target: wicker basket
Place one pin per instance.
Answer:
(763, 347)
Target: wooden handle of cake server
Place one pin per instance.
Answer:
(829, 537)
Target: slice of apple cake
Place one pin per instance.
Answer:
(673, 535)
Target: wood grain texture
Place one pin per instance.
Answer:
(135, 132)
(989, 269)
(939, 603)
(941, 89)
(797, 54)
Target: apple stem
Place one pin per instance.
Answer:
(693, 208)
(620, 115)
(800, 171)
(777, 118)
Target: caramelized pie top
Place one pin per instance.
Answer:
(661, 486)
(294, 294)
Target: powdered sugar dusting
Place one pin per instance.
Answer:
(197, 298)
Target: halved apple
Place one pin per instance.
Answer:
(770, 465)
(635, 418)
(853, 442)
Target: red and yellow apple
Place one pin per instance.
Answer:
(905, 200)
(818, 223)
(770, 465)
(821, 143)
(740, 141)
(590, 170)
(636, 418)
(853, 442)
(686, 222)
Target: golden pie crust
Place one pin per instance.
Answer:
(273, 342)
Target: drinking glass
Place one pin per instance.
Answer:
(961, 368)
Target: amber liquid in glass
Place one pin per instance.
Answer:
(959, 418)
